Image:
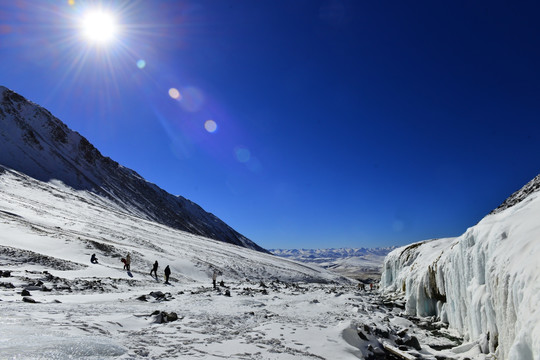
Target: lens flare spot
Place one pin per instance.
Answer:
(141, 64)
(210, 126)
(71, 2)
(242, 154)
(174, 93)
(192, 99)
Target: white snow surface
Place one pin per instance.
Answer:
(484, 283)
(277, 308)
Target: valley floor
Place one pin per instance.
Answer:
(126, 318)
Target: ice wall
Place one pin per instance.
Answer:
(485, 283)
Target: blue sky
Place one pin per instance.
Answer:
(337, 123)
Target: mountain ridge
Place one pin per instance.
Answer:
(364, 264)
(40, 145)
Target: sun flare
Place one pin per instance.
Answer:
(99, 26)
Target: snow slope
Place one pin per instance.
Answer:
(55, 304)
(68, 225)
(485, 283)
(38, 144)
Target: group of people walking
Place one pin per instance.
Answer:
(127, 266)
(167, 271)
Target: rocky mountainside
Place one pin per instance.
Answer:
(519, 195)
(34, 142)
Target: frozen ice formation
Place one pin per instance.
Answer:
(484, 283)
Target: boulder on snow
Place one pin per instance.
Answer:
(25, 292)
(164, 317)
(413, 342)
(161, 296)
(7, 285)
(28, 299)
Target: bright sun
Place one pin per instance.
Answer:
(99, 26)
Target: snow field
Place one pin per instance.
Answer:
(278, 308)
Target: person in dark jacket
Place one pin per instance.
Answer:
(167, 274)
(93, 259)
(154, 269)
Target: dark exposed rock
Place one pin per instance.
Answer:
(520, 195)
(367, 329)
(25, 292)
(413, 342)
(27, 257)
(157, 294)
(161, 296)
(29, 300)
(164, 317)
(382, 333)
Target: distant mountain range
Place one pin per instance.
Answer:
(359, 263)
(34, 142)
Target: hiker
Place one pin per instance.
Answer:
(93, 259)
(214, 278)
(128, 262)
(123, 260)
(154, 269)
(167, 273)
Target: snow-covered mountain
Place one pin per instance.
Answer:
(56, 304)
(61, 202)
(53, 226)
(484, 283)
(34, 142)
(358, 263)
